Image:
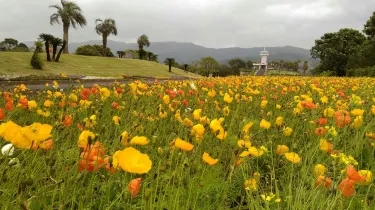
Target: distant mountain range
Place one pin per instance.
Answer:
(185, 52)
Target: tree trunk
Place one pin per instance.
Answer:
(170, 68)
(54, 50)
(104, 46)
(66, 39)
(61, 50)
(46, 44)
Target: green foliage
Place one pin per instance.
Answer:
(170, 62)
(249, 64)
(8, 44)
(209, 65)
(105, 28)
(361, 72)
(93, 50)
(70, 14)
(47, 38)
(225, 70)
(56, 42)
(305, 67)
(143, 41)
(237, 63)
(369, 29)
(335, 49)
(36, 62)
(21, 47)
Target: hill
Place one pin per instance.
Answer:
(16, 63)
(185, 52)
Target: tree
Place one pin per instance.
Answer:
(142, 42)
(105, 28)
(170, 62)
(56, 42)
(249, 64)
(305, 67)
(237, 64)
(47, 38)
(209, 65)
(9, 43)
(61, 50)
(23, 46)
(150, 56)
(335, 49)
(36, 62)
(71, 15)
(93, 50)
(369, 29)
(185, 67)
(120, 54)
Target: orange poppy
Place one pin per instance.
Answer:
(353, 174)
(308, 105)
(320, 131)
(323, 180)
(347, 187)
(322, 121)
(342, 118)
(134, 186)
(2, 115)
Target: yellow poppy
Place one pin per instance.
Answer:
(265, 124)
(209, 160)
(116, 120)
(292, 157)
(279, 121)
(198, 130)
(319, 170)
(184, 145)
(368, 175)
(247, 127)
(287, 131)
(139, 140)
(85, 138)
(243, 144)
(282, 149)
(125, 136)
(197, 114)
(132, 161)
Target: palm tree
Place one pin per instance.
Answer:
(170, 62)
(47, 38)
(305, 67)
(185, 67)
(56, 42)
(61, 50)
(150, 56)
(142, 42)
(105, 28)
(71, 15)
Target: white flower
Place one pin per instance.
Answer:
(7, 150)
(61, 90)
(192, 86)
(175, 90)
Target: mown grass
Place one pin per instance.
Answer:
(283, 72)
(181, 179)
(18, 63)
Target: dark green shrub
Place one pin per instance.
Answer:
(36, 62)
(93, 50)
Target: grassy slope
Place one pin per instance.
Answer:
(15, 63)
(282, 72)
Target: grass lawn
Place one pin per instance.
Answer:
(282, 72)
(15, 63)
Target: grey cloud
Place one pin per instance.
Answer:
(219, 23)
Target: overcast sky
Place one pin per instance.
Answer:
(211, 23)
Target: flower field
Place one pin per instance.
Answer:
(218, 143)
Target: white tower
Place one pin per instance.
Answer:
(263, 60)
